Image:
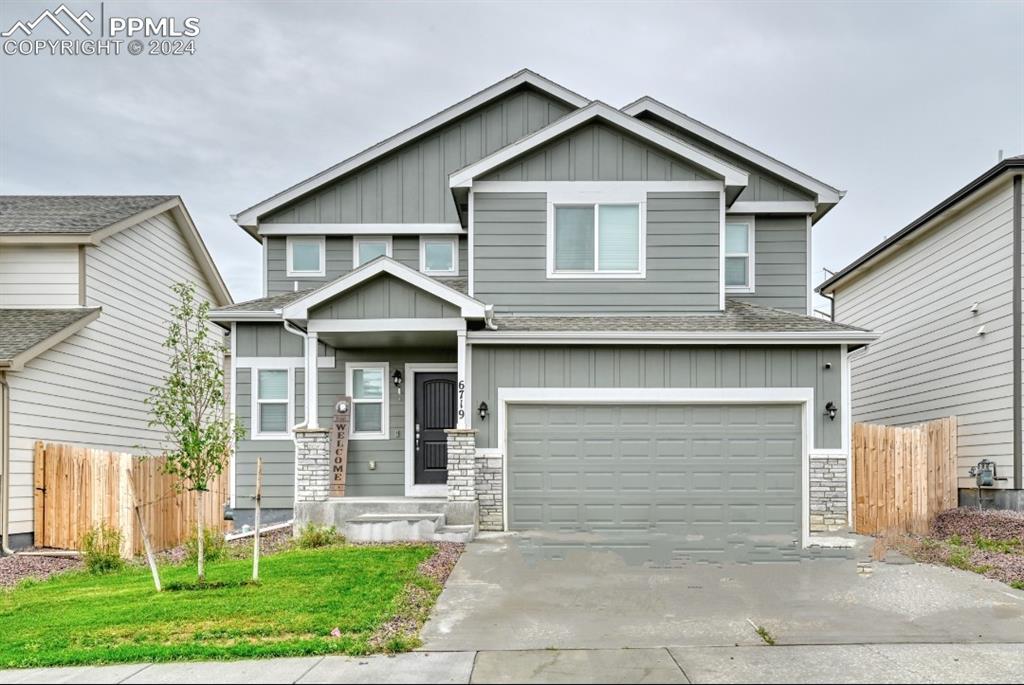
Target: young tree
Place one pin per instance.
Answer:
(190, 407)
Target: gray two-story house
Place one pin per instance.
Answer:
(551, 315)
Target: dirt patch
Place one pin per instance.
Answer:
(401, 633)
(14, 569)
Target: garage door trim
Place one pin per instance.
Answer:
(801, 396)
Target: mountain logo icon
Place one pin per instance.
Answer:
(57, 17)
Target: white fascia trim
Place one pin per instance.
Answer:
(787, 207)
(384, 325)
(386, 239)
(618, 396)
(411, 488)
(750, 288)
(826, 193)
(202, 255)
(469, 248)
(470, 308)
(721, 250)
(500, 337)
(227, 317)
(463, 178)
(385, 418)
(19, 360)
(280, 362)
(321, 242)
(597, 191)
(452, 241)
(810, 267)
(247, 218)
(360, 229)
(232, 414)
(846, 414)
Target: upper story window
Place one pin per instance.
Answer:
(272, 399)
(439, 256)
(739, 255)
(367, 383)
(596, 240)
(306, 256)
(366, 249)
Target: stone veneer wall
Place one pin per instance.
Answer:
(829, 496)
(312, 465)
(461, 464)
(489, 490)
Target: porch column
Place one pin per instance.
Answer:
(312, 382)
(462, 386)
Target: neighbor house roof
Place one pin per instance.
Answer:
(247, 217)
(29, 332)
(909, 232)
(90, 219)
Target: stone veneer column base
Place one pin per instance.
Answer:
(312, 465)
(462, 507)
(829, 497)
(489, 489)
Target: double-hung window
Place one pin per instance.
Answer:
(739, 255)
(367, 385)
(596, 240)
(366, 249)
(306, 256)
(272, 413)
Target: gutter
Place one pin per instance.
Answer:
(5, 456)
(294, 330)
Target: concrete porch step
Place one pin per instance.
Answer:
(393, 526)
(447, 533)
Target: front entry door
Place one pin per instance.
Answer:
(435, 411)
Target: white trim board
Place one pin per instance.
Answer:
(247, 218)
(411, 488)
(765, 207)
(384, 325)
(594, 191)
(733, 176)
(360, 229)
(500, 337)
(280, 362)
(618, 396)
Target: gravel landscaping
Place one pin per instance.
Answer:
(14, 569)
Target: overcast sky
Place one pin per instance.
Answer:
(898, 103)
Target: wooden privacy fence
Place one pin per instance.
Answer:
(77, 489)
(903, 476)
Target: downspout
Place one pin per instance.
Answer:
(5, 455)
(489, 318)
(1017, 295)
(288, 326)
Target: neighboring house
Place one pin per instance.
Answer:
(85, 297)
(611, 307)
(944, 294)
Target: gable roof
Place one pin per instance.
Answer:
(826, 194)
(247, 218)
(89, 219)
(470, 308)
(732, 176)
(926, 220)
(31, 331)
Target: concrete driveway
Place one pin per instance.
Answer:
(506, 594)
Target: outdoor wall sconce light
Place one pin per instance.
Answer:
(831, 410)
(396, 378)
(482, 409)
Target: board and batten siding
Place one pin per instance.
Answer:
(512, 366)
(780, 263)
(410, 185)
(930, 361)
(39, 276)
(404, 249)
(386, 297)
(598, 152)
(89, 389)
(510, 272)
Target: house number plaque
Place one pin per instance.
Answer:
(339, 445)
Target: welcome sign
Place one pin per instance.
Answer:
(340, 429)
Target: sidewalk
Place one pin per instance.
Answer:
(866, 663)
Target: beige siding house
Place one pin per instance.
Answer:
(944, 295)
(85, 295)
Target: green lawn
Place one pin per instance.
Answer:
(303, 595)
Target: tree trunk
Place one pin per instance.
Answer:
(200, 539)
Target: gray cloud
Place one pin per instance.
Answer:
(899, 103)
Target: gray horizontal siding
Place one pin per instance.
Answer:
(597, 153)
(385, 297)
(404, 249)
(410, 185)
(780, 263)
(509, 236)
(930, 361)
(762, 186)
(657, 367)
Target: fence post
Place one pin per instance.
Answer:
(256, 521)
(38, 493)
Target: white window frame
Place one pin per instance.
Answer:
(385, 412)
(749, 254)
(555, 203)
(321, 243)
(254, 380)
(359, 239)
(453, 241)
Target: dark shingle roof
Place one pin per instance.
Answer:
(739, 317)
(78, 214)
(23, 329)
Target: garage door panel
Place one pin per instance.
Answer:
(724, 472)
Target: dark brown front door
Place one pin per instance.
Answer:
(435, 411)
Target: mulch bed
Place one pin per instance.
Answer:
(14, 569)
(996, 524)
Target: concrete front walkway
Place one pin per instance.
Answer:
(919, 663)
